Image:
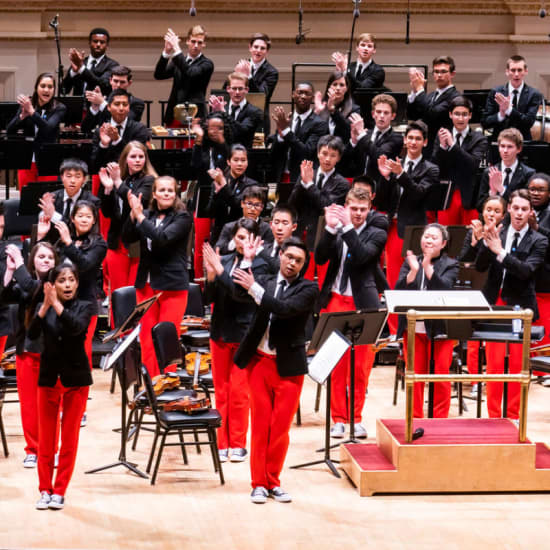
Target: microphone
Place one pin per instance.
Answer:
(301, 36)
(192, 9)
(542, 11)
(54, 22)
(408, 33)
(356, 12)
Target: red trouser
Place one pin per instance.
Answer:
(89, 338)
(543, 302)
(321, 271)
(24, 177)
(456, 214)
(50, 400)
(3, 340)
(104, 223)
(443, 353)
(202, 234)
(171, 307)
(274, 401)
(232, 395)
(340, 379)
(394, 245)
(27, 370)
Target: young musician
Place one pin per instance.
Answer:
(432, 270)
(23, 285)
(433, 108)
(245, 118)
(228, 186)
(121, 79)
(230, 320)
(353, 250)
(336, 105)
(366, 146)
(409, 182)
(513, 105)
(93, 70)
(163, 232)
(273, 353)
(262, 75)
(510, 173)
(296, 135)
(512, 253)
(458, 153)
(283, 225)
(39, 117)
(190, 73)
(65, 376)
(364, 73)
(252, 203)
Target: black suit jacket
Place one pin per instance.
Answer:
(518, 286)
(443, 278)
(264, 80)
(342, 126)
(363, 159)
(373, 77)
(165, 262)
(310, 203)
(103, 155)
(111, 208)
(302, 146)
(363, 256)
(289, 316)
(6, 325)
(227, 235)
(225, 205)
(543, 275)
(64, 355)
(249, 121)
(91, 121)
(521, 118)
(434, 113)
(519, 181)
(48, 127)
(190, 81)
(273, 262)
(100, 76)
(468, 252)
(460, 164)
(410, 206)
(233, 307)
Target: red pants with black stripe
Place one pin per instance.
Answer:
(340, 378)
(27, 370)
(50, 401)
(170, 307)
(274, 402)
(232, 395)
(443, 354)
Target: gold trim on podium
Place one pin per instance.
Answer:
(526, 315)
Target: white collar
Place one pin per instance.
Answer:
(239, 106)
(74, 198)
(256, 67)
(189, 58)
(513, 167)
(97, 60)
(440, 91)
(325, 174)
(464, 132)
(303, 116)
(364, 65)
(521, 232)
(123, 123)
(511, 89)
(414, 161)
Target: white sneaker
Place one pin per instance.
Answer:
(30, 461)
(238, 455)
(259, 495)
(44, 501)
(359, 431)
(84, 420)
(223, 454)
(338, 430)
(279, 494)
(57, 502)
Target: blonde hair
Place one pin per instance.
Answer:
(367, 37)
(513, 135)
(148, 169)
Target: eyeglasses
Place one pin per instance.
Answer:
(440, 71)
(255, 205)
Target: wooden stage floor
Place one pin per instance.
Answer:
(187, 508)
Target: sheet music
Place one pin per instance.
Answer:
(327, 356)
(113, 358)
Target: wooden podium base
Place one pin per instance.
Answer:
(453, 456)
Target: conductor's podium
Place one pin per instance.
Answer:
(453, 456)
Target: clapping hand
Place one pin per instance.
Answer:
(306, 171)
(64, 233)
(171, 42)
(341, 61)
(281, 118)
(218, 178)
(495, 180)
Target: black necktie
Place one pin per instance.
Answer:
(345, 274)
(515, 99)
(515, 242)
(359, 72)
(320, 180)
(434, 98)
(119, 128)
(93, 64)
(298, 125)
(233, 111)
(459, 139)
(506, 181)
(278, 296)
(67, 211)
(410, 165)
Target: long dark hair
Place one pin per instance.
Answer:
(93, 235)
(337, 75)
(34, 99)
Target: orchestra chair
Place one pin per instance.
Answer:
(180, 423)
(3, 384)
(15, 224)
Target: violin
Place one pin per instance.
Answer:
(163, 382)
(192, 404)
(201, 360)
(540, 131)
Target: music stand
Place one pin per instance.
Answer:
(173, 162)
(479, 100)
(125, 357)
(15, 154)
(400, 301)
(51, 155)
(438, 196)
(259, 165)
(8, 109)
(32, 193)
(75, 107)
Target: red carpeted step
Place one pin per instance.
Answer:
(369, 457)
(542, 460)
(458, 431)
